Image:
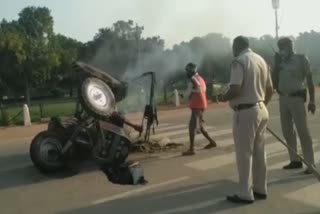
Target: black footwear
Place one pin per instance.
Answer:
(188, 153)
(259, 196)
(237, 199)
(293, 165)
(309, 171)
(210, 145)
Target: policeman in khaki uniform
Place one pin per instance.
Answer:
(289, 77)
(250, 90)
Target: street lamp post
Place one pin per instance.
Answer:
(275, 5)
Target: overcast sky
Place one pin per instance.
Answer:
(175, 20)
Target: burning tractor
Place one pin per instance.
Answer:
(96, 130)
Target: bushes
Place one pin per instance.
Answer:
(57, 92)
(12, 114)
(5, 119)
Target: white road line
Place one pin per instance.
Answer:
(230, 141)
(172, 133)
(277, 153)
(212, 163)
(308, 195)
(276, 117)
(161, 129)
(221, 144)
(281, 164)
(214, 133)
(188, 208)
(139, 190)
(195, 189)
(161, 125)
(223, 160)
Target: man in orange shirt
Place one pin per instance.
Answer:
(197, 104)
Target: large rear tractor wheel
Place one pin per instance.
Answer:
(45, 152)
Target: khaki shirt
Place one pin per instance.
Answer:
(250, 71)
(292, 75)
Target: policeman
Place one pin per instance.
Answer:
(290, 74)
(197, 104)
(250, 90)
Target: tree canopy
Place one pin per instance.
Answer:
(33, 56)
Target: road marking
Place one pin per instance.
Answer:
(221, 144)
(281, 164)
(188, 208)
(195, 189)
(212, 162)
(226, 159)
(230, 141)
(139, 190)
(161, 129)
(172, 133)
(308, 195)
(214, 133)
(161, 125)
(278, 117)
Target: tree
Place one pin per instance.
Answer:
(32, 56)
(309, 43)
(36, 23)
(68, 51)
(117, 48)
(13, 55)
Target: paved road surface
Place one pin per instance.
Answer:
(177, 184)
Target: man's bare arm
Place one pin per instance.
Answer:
(236, 79)
(233, 92)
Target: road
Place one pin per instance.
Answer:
(196, 184)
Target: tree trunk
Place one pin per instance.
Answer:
(71, 91)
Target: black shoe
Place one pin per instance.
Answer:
(237, 199)
(259, 196)
(293, 165)
(308, 171)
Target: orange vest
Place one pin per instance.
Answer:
(198, 99)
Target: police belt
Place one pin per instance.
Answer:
(244, 106)
(300, 93)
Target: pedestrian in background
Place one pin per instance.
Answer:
(198, 104)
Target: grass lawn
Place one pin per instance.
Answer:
(66, 107)
(49, 110)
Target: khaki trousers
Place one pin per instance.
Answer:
(249, 127)
(293, 112)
